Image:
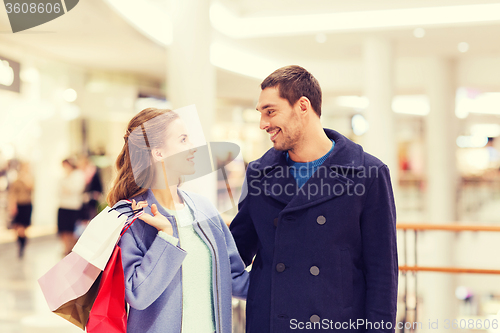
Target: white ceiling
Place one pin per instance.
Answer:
(92, 35)
(295, 7)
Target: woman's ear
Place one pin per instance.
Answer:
(157, 155)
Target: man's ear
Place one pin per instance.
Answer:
(304, 104)
(157, 155)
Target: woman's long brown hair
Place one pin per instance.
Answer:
(143, 134)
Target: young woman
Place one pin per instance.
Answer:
(180, 261)
(71, 188)
(20, 204)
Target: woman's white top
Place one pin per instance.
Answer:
(71, 190)
(197, 297)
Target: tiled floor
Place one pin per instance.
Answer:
(22, 306)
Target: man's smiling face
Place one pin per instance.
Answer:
(279, 119)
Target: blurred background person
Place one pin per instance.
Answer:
(92, 193)
(71, 189)
(19, 202)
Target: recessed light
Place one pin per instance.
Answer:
(463, 47)
(70, 95)
(419, 32)
(321, 38)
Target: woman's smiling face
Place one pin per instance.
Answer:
(178, 152)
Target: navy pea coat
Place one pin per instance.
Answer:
(324, 255)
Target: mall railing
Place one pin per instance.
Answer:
(404, 269)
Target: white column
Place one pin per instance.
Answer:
(437, 290)
(190, 75)
(441, 134)
(379, 140)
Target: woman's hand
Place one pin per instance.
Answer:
(158, 221)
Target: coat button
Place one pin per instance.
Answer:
(314, 319)
(321, 219)
(275, 222)
(280, 267)
(314, 270)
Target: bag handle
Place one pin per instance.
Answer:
(132, 215)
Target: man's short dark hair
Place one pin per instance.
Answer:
(293, 82)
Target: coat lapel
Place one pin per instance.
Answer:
(331, 180)
(320, 188)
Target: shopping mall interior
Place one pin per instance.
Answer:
(415, 82)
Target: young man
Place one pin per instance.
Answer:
(318, 215)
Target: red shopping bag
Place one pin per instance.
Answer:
(108, 315)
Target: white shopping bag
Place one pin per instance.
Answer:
(100, 237)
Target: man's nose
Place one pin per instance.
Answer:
(264, 124)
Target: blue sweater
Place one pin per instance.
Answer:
(303, 171)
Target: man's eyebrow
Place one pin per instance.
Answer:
(267, 106)
(182, 135)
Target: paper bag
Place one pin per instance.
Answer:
(108, 315)
(77, 311)
(69, 279)
(100, 237)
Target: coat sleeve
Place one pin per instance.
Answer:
(147, 274)
(243, 229)
(239, 276)
(378, 232)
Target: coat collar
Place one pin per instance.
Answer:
(345, 155)
(346, 158)
(185, 197)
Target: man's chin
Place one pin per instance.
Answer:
(279, 147)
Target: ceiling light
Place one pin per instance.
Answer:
(472, 141)
(489, 130)
(6, 73)
(411, 104)
(359, 124)
(321, 38)
(463, 47)
(419, 32)
(469, 101)
(70, 95)
(232, 25)
(355, 102)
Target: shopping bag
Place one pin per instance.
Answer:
(69, 279)
(77, 311)
(108, 314)
(100, 237)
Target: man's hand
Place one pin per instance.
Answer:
(158, 221)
